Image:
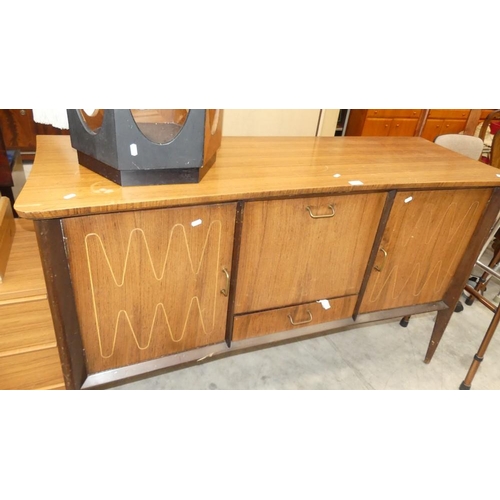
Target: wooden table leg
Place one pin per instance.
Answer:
(442, 320)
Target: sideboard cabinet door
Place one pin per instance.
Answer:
(150, 283)
(305, 249)
(424, 240)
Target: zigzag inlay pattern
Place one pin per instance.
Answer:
(139, 265)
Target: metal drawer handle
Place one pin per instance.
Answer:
(379, 268)
(301, 322)
(225, 291)
(327, 216)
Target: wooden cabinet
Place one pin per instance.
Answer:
(388, 127)
(377, 127)
(283, 238)
(444, 121)
(150, 283)
(407, 122)
(384, 122)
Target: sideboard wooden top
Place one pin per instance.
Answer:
(253, 168)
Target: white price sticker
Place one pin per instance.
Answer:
(325, 303)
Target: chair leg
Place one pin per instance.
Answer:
(478, 358)
(481, 284)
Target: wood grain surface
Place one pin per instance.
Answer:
(425, 238)
(426, 123)
(25, 326)
(28, 353)
(393, 113)
(148, 284)
(147, 281)
(278, 320)
(464, 270)
(252, 168)
(7, 232)
(31, 370)
(287, 257)
(23, 276)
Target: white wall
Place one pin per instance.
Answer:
(270, 122)
(280, 122)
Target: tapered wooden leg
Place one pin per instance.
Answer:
(442, 320)
(466, 384)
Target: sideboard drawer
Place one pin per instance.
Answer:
(289, 318)
(449, 113)
(25, 326)
(393, 113)
(31, 370)
(304, 249)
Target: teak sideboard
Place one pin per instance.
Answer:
(283, 238)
